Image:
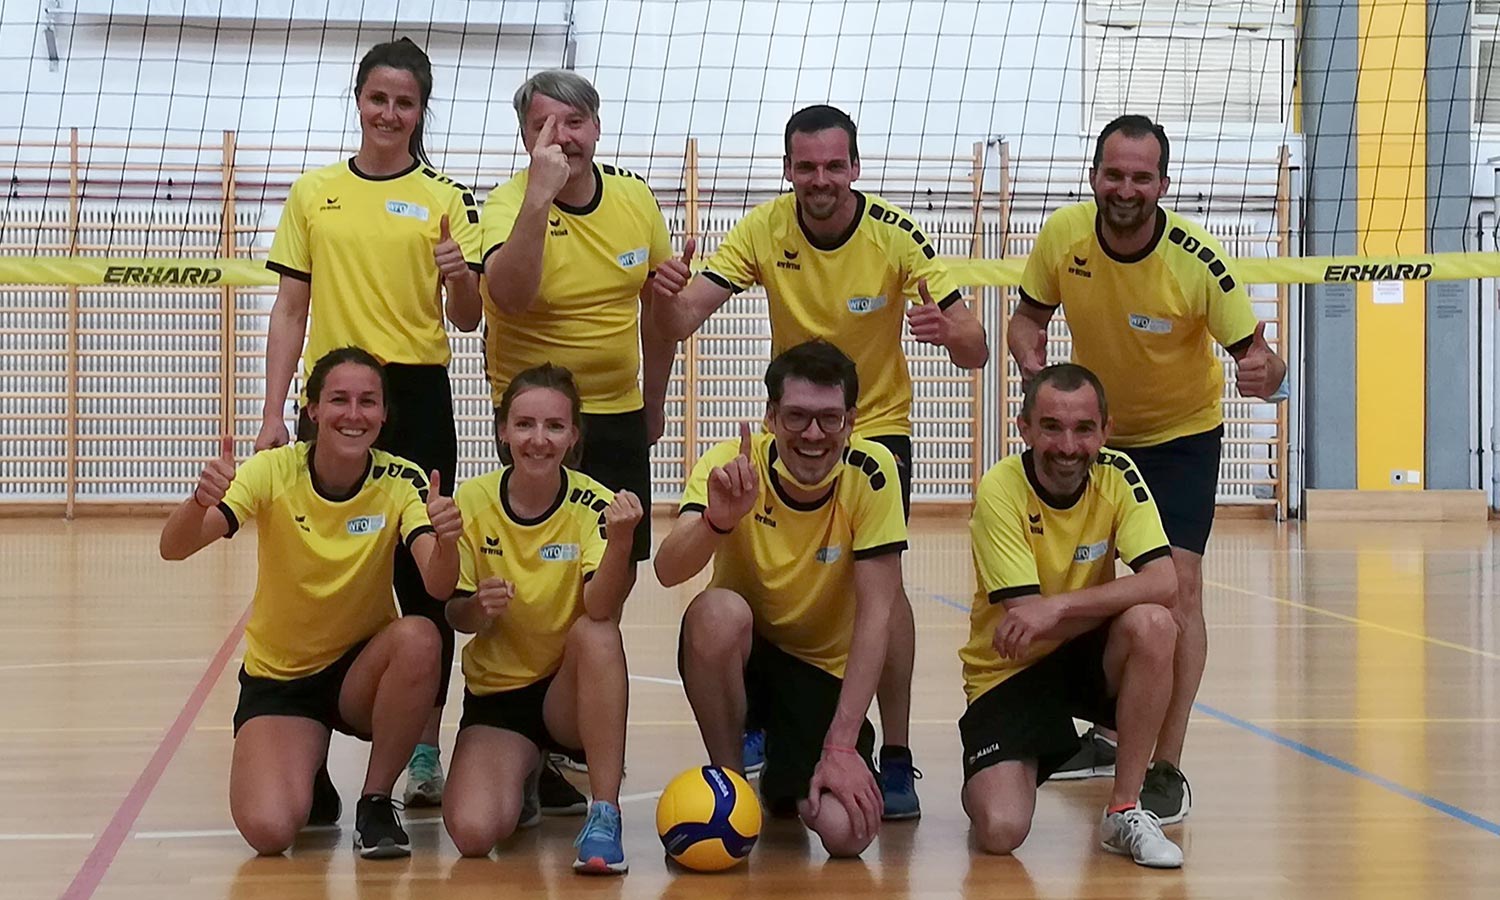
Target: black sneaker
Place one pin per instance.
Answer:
(1095, 759)
(559, 797)
(326, 805)
(377, 829)
(1166, 793)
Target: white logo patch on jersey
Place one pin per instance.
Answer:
(632, 258)
(864, 305)
(365, 524)
(1149, 325)
(829, 554)
(1087, 553)
(559, 553)
(409, 210)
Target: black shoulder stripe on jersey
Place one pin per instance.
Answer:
(472, 215)
(289, 272)
(867, 464)
(1011, 593)
(721, 281)
(418, 532)
(894, 217)
(1205, 255)
(230, 517)
(881, 550)
(468, 198)
(1140, 561)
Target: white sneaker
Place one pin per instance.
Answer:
(424, 778)
(1136, 833)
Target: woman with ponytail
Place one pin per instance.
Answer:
(375, 251)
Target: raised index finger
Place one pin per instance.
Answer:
(745, 439)
(549, 128)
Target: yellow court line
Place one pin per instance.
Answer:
(1355, 620)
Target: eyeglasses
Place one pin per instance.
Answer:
(797, 420)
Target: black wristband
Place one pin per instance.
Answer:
(712, 527)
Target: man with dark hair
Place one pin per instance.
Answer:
(1145, 289)
(842, 265)
(1053, 633)
(805, 529)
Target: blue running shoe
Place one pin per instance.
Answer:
(755, 751)
(599, 849)
(898, 784)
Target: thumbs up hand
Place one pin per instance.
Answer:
(448, 255)
(442, 512)
(928, 323)
(733, 487)
(674, 274)
(1259, 371)
(216, 476)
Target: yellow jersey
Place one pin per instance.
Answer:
(325, 562)
(547, 558)
(852, 293)
(793, 562)
(1143, 323)
(365, 245)
(587, 311)
(1027, 540)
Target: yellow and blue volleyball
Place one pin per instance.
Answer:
(708, 818)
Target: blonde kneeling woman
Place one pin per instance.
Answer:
(546, 566)
(325, 650)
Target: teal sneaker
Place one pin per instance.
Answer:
(424, 777)
(599, 849)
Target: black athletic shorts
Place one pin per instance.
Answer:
(1030, 714)
(314, 696)
(1183, 475)
(518, 710)
(900, 447)
(616, 454)
(794, 701)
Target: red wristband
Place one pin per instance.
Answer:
(837, 749)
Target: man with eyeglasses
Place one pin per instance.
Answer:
(805, 529)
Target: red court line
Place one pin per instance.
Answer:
(99, 859)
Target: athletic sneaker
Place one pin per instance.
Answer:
(558, 796)
(1166, 794)
(569, 759)
(898, 784)
(377, 829)
(531, 799)
(326, 805)
(1095, 759)
(424, 777)
(599, 849)
(754, 754)
(1136, 833)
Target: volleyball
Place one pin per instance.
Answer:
(708, 818)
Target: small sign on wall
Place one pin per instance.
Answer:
(1390, 292)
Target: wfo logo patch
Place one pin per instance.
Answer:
(864, 305)
(1090, 552)
(559, 553)
(409, 210)
(1145, 323)
(632, 258)
(365, 524)
(829, 554)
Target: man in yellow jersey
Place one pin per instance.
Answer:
(1053, 633)
(570, 248)
(805, 529)
(842, 265)
(1145, 290)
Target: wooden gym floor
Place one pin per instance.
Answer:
(1346, 744)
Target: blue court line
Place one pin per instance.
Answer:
(1328, 759)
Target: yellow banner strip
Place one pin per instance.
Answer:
(164, 272)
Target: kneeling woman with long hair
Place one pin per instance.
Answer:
(325, 650)
(546, 566)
